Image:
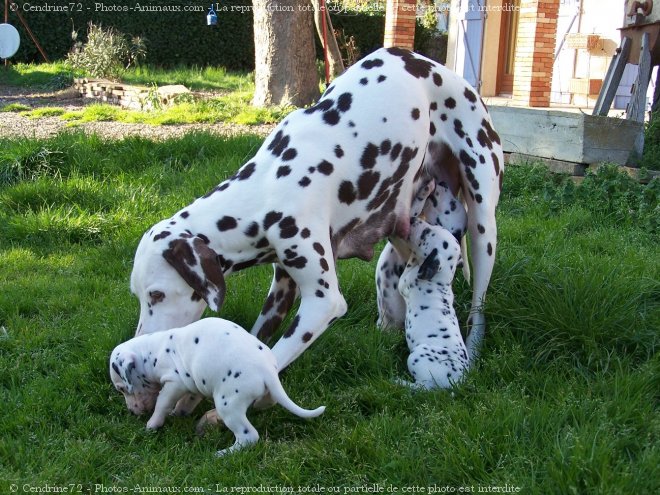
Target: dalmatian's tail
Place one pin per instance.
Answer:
(279, 395)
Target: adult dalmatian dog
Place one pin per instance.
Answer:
(211, 358)
(328, 183)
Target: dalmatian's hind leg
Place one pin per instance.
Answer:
(281, 296)
(482, 227)
(233, 413)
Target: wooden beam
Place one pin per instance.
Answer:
(17, 11)
(613, 78)
(655, 106)
(637, 106)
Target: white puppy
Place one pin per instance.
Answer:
(438, 356)
(211, 357)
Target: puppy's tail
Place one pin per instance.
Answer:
(279, 395)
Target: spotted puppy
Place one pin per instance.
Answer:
(441, 208)
(212, 358)
(330, 182)
(438, 357)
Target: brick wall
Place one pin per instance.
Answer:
(400, 23)
(535, 51)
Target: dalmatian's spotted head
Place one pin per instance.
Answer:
(434, 250)
(175, 276)
(127, 375)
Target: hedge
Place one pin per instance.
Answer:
(173, 38)
(178, 37)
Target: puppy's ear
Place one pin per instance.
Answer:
(429, 267)
(199, 266)
(124, 366)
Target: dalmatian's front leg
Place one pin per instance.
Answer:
(311, 264)
(167, 398)
(281, 296)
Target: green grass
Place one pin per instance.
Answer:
(233, 108)
(51, 76)
(232, 105)
(15, 107)
(563, 400)
(39, 113)
(194, 78)
(57, 75)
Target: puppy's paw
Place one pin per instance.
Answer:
(153, 425)
(186, 405)
(264, 403)
(210, 418)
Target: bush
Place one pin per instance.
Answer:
(107, 52)
(176, 35)
(651, 156)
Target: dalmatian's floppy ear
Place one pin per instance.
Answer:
(199, 266)
(429, 267)
(124, 366)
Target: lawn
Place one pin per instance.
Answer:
(226, 96)
(564, 398)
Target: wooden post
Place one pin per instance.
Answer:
(637, 106)
(27, 28)
(6, 18)
(613, 78)
(655, 106)
(334, 55)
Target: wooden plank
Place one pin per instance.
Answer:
(609, 139)
(637, 106)
(565, 136)
(543, 133)
(655, 106)
(613, 78)
(555, 166)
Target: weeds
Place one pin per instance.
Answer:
(608, 193)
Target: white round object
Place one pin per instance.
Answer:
(9, 40)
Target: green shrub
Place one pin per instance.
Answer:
(651, 156)
(106, 53)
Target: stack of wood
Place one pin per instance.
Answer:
(127, 96)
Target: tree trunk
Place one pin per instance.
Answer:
(285, 60)
(334, 55)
